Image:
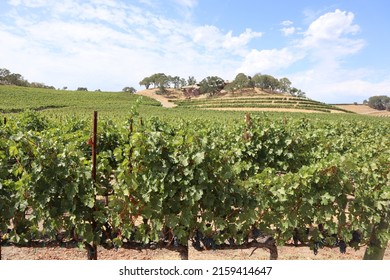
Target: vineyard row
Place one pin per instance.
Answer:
(214, 185)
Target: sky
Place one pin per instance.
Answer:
(335, 51)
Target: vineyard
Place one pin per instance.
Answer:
(66, 102)
(259, 182)
(259, 102)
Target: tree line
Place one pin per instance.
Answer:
(214, 84)
(16, 79)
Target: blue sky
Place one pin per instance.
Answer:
(335, 51)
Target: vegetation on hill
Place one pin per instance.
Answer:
(213, 85)
(9, 78)
(380, 102)
(16, 99)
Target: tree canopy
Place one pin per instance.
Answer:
(9, 78)
(211, 85)
(214, 84)
(379, 102)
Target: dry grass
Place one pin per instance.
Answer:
(364, 110)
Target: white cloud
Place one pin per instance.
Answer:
(208, 36)
(287, 31)
(330, 27)
(187, 3)
(236, 43)
(287, 23)
(267, 61)
(321, 51)
(213, 38)
(335, 85)
(29, 3)
(109, 44)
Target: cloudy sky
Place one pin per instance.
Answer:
(335, 51)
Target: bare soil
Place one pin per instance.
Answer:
(160, 98)
(364, 110)
(287, 252)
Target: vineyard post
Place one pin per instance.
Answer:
(92, 249)
(131, 149)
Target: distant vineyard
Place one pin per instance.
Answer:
(320, 182)
(271, 101)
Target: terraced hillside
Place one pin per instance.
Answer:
(260, 102)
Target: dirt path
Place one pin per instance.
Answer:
(152, 94)
(287, 252)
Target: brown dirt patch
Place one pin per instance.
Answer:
(364, 110)
(151, 93)
(287, 252)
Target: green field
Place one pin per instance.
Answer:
(16, 99)
(118, 105)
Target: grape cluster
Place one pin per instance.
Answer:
(199, 239)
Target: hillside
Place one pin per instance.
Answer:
(15, 99)
(364, 110)
(250, 100)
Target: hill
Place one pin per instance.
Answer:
(364, 110)
(248, 100)
(16, 99)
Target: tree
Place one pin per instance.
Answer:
(211, 85)
(176, 82)
(129, 90)
(191, 81)
(145, 82)
(297, 92)
(241, 81)
(82, 89)
(266, 82)
(284, 84)
(16, 79)
(380, 102)
(4, 73)
(183, 82)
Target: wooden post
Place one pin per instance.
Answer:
(92, 249)
(94, 139)
(5, 120)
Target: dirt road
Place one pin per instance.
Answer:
(152, 94)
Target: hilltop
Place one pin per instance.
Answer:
(244, 100)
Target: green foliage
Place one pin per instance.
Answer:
(162, 81)
(381, 102)
(271, 101)
(241, 81)
(129, 90)
(266, 82)
(211, 85)
(8, 78)
(178, 178)
(67, 103)
(191, 81)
